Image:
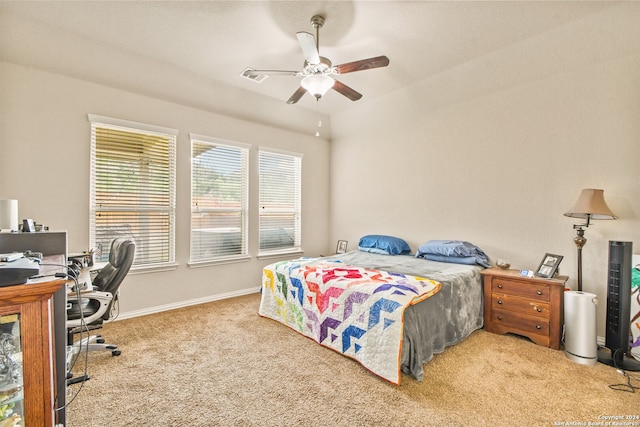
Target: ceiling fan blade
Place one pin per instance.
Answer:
(296, 95)
(345, 90)
(363, 64)
(309, 48)
(251, 72)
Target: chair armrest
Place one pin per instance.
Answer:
(103, 297)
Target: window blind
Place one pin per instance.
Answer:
(133, 189)
(219, 198)
(279, 201)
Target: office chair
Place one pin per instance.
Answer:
(98, 306)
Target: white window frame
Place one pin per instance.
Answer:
(243, 210)
(296, 211)
(141, 263)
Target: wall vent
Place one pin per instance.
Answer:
(258, 78)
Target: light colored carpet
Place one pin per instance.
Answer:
(220, 364)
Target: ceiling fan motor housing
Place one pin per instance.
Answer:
(324, 67)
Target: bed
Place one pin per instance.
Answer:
(446, 311)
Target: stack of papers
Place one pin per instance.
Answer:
(11, 257)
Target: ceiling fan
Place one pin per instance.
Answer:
(317, 70)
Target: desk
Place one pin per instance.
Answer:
(53, 245)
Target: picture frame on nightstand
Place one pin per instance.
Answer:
(549, 265)
(28, 226)
(341, 248)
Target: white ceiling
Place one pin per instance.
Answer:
(214, 41)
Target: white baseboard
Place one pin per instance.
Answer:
(181, 304)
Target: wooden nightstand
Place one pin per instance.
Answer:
(531, 307)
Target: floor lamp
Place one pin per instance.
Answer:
(590, 205)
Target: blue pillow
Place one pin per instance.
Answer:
(469, 260)
(453, 249)
(391, 245)
(373, 250)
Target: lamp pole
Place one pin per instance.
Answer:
(580, 241)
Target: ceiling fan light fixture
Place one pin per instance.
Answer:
(317, 85)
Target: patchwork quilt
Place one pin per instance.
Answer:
(355, 311)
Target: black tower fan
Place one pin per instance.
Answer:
(617, 341)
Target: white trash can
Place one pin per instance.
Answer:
(580, 341)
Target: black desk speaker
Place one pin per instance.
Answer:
(618, 317)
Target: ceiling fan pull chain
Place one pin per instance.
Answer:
(319, 119)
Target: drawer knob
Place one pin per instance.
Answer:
(538, 327)
(499, 317)
(539, 292)
(499, 301)
(538, 309)
(499, 286)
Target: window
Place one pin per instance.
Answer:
(133, 175)
(219, 199)
(280, 201)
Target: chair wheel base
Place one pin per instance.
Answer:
(81, 378)
(115, 353)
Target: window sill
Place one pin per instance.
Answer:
(153, 268)
(219, 261)
(280, 254)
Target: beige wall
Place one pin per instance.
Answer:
(44, 163)
(497, 169)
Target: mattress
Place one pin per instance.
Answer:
(444, 319)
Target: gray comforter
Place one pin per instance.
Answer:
(442, 320)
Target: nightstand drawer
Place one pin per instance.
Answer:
(518, 323)
(521, 305)
(522, 289)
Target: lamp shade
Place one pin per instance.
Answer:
(591, 205)
(317, 85)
